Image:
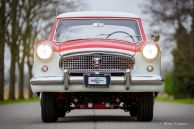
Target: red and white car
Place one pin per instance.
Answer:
(97, 60)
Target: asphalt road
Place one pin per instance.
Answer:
(166, 115)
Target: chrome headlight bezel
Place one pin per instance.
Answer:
(150, 51)
(44, 51)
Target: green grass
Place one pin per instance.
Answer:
(166, 99)
(18, 101)
(168, 84)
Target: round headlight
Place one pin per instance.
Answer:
(150, 51)
(44, 51)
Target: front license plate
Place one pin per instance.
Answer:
(97, 80)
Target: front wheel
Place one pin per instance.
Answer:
(48, 107)
(145, 106)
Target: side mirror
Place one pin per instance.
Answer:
(155, 37)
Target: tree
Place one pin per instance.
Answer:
(178, 14)
(2, 45)
(28, 19)
(12, 41)
(183, 73)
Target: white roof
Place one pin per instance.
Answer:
(97, 14)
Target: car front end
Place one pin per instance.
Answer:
(97, 62)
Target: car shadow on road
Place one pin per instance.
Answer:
(101, 118)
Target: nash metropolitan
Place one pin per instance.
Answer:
(97, 60)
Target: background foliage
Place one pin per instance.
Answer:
(179, 16)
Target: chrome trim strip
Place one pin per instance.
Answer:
(96, 52)
(46, 80)
(81, 88)
(115, 80)
(148, 80)
(93, 50)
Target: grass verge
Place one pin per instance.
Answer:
(166, 99)
(18, 101)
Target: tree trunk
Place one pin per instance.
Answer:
(21, 79)
(13, 47)
(12, 78)
(2, 46)
(30, 76)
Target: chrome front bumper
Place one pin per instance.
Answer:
(115, 80)
(126, 81)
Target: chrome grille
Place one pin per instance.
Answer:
(85, 62)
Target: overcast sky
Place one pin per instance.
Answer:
(115, 5)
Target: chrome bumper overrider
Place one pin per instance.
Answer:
(126, 80)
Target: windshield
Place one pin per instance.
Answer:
(121, 29)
